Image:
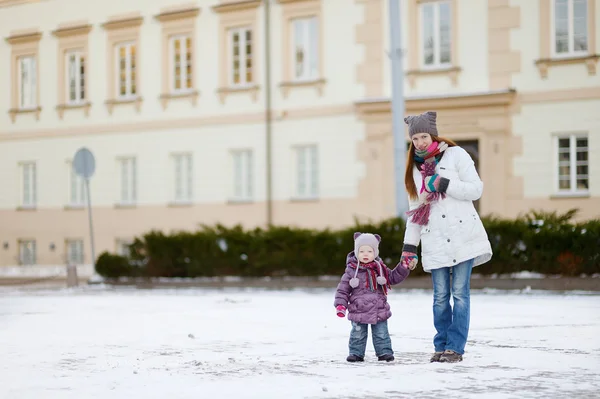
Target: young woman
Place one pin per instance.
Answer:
(442, 184)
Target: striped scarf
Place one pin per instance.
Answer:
(420, 215)
(372, 269)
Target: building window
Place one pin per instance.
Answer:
(74, 252)
(573, 164)
(242, 175)
(24, 78)
(183, 173)
(27, 252)
(240, 44)
(27, 82)
(306, 48)
(181, 56)
(28, 185)
(570, 27)
(436, 34)
(75, 77)
(77, 188)
(128, 181)
(126, 61)
(307, 169)
(123, 247)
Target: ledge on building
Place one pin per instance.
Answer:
(61, 108)
(568, 196)
(225, 91)
(14, 111)
(235, 201)
(137, 101)
(74, 207)
(25, 37)
(180, 204)
(233, 6)
(442, 101)
(31, 208)
(123, 22)
(590, 62)
(318, 84)
(191, 95)
(177, 14)
(451, 72)
(125, 206)
(304, 199)
(75, 30)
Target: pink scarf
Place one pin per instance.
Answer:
(420, 215)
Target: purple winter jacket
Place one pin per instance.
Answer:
(366, 306)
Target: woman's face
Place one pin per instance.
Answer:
(421, 141)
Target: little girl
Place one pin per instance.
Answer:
(363, 291)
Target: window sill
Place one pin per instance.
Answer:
(25, 208)
(125, 206)
(570, 195)
(451, 72)
(61, 108)
(180, 204)
(137, 101)
(590, 62)
(14, 111)
(240, 201)
(225, 91)
(191, 95)
(74, 207)
(318, 84)
(304, 199)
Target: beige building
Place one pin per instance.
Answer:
(172, 102)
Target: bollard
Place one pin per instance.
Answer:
(71, 275)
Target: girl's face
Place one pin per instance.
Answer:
(421, 141)
(366, 254)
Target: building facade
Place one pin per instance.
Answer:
(173, 103)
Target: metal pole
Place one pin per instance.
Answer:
(397, 69)
(268, 112)
(89, 203)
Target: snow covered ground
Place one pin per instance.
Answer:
(99, 342)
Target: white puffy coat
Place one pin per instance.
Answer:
(455, 232)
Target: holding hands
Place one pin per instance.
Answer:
(409, 260)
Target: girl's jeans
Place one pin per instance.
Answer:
(381, 339)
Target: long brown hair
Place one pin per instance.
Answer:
(409, 182)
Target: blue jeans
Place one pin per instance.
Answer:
(452, 324)
(380, 335)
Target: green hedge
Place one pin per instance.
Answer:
(547, 243)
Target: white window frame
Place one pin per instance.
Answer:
(306, 168)
(77, 191)
(128, 181)
(30, 245)
(130, 82)
(28, 86)
(571, 39)
(185, 61)
(242, 167)
(241, 31)
(305, 34)
(28, 184)
(74, 252)
(437, 64)
(121, 246)
(183, 178)
(573, 163)
(80, 81)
